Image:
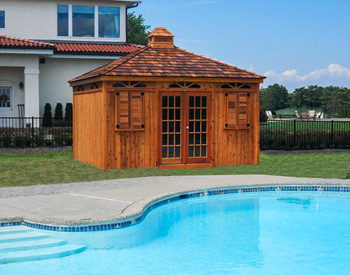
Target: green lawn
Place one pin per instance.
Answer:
(20, 170)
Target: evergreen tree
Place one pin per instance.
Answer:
(69, 112)
(47, 118)
(58, 112)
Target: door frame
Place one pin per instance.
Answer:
(184, 160)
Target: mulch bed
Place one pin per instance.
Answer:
(35, 150)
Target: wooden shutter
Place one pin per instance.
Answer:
(231, 110)
(243, 115)
(136, 108)
(123, 121)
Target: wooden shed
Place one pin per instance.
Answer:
(165, 107)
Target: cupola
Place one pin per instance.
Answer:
(161, 38)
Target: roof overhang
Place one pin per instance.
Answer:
(165, 79)
(26, 51)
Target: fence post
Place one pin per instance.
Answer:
(32, 131)
(332, 133)
(295, 137)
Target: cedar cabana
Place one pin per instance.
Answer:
(165, 107)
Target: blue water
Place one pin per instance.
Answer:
(262, 233)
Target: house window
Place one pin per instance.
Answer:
(129, 110)
(108, 22)
(88, 21)
(2, 19)
(62, 20)
(84, 21)
(237, 110)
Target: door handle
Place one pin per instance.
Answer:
(187, 127)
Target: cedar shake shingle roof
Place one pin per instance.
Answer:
(12, 42)
(168, 62)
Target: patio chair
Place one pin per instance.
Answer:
(318, 115)
(304, 115)
(269, 115)
(297, 115)
(312, 114)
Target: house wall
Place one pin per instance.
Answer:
(54, 77)
(12, 76)
(37, 19)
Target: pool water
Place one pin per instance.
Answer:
(255, 233)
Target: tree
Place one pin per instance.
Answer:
(58, 112)
(137, 30)
(274, 97)
(68, 112)
(47, 117)
(310, 97)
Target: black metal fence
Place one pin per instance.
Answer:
(304, 135)
(22, 132)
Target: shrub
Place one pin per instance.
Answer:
(68, 117)
(47, 118)
(58, 112)
(263, 116)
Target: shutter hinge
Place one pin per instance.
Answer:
(143, 126)
(142, 93)
(117, 93)
(226, 94)
(248, 125)
(117, 126)
(248, 94)
(226, 125)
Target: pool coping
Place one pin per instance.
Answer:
(137, 212)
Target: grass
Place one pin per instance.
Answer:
(50, 168)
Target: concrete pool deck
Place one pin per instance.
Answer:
(90, 202)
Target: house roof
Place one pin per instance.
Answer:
(68, 47)
(168, 62)
(12, 42)
(95, 48)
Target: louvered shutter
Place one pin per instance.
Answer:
(243, 115)
(231, 111)
(136, 108)
(123, 110)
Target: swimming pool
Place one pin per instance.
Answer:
(242, 233)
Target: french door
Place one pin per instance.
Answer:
(184, 127)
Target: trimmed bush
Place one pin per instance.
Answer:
(47, 118)
(263, 116)
(68, 117)
(58, 112)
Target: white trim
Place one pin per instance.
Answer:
(26, 51)
(70, 21)
(71, 56)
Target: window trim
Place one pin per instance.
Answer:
(96, 21)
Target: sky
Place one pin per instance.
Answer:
(295, 43)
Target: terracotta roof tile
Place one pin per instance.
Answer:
(94, 48)
(173, 62)
(12, 42)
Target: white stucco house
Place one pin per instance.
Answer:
(45, 43)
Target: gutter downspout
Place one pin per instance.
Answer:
(134, 5)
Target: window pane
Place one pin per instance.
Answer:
(108, 22)
(2, 19)
(83, 21)
(62, 20)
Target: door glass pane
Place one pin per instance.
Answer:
(190, 152)
(178, 127)
(164, 152)
(177, 152)
(178, 140)
(198, 151)
(198, 139)
(171, 152)
(204, 101)
(178, 114)
(165, 114)
(204, 126)
(165, 101)
(165, 127)
(171, 114)
(164, 139)
(171, 127)
(191, 139)
(198, 126)
(204, 138)
(198, 101)
(171, 140)
(178, 102)
(198, 114)
(191, 114)
(171, 101)
(204, 114)
(191, 101)
(204, 151)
